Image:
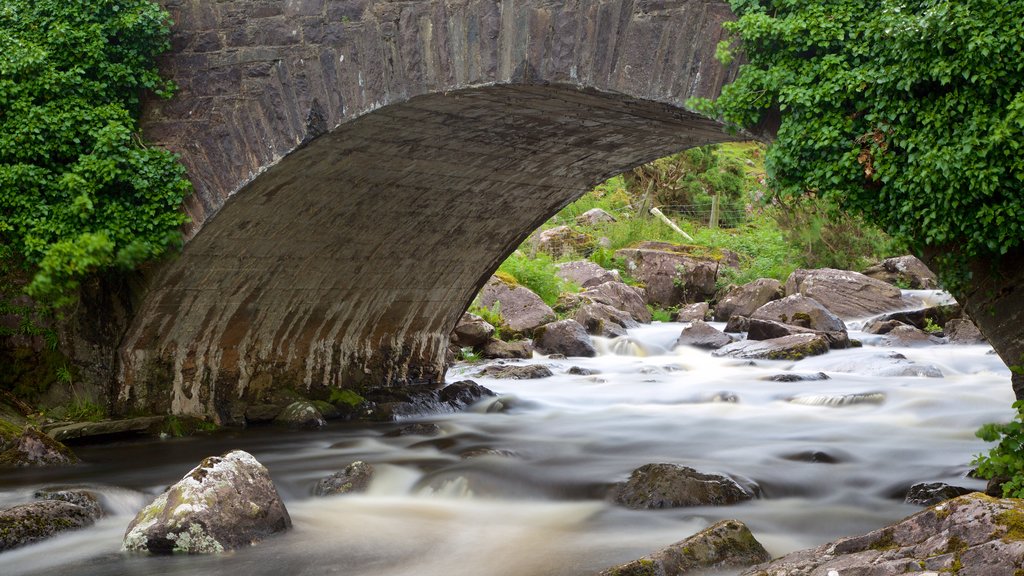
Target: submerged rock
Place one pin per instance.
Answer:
(355, 477)
(84, 498)
(795, 377)
(835, 400)
(702, 335)
(973, 535)
(727, 544)
(932, 493)
(516, 371)
(795, 347)
(226, 502)
(673, 486)
(36, 521)
(301, 414)
(567, 337)
(33, 448)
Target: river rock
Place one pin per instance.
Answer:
(499, 349)
(671, 274)
(973, 535)
(702, 335)
(795, 347)
(767, 329)
(472, 331)
(907, 271)
(226, 502)
(802, 311)
(35, 449)
(691, 312)
(301, 414)
(562, 241)
(620, 296)
(567, 337)
(963, 331)
(845, 293)
(594, 216)
(838, 400)
(882, 326)
(737, 324)
(355, 477)
(931, 493)
(727, 544)
(744, 300)
(908, 336)
(463, 394)
(79, 430)
(84, 498)
(921, 318)
(586, 274)
(520, 308)
(673, 486)
(604, 320)
(516, 371)
(27, 523)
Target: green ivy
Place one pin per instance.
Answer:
(910, 112)
(79, 191)
(1006, 458)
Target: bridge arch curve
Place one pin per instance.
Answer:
(362, 166)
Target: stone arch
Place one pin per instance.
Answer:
(362, 166)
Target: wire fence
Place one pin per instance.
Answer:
(702, 213)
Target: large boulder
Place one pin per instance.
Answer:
(594, 216)
(655, 486)
(499, 349)
(563, 241)
(758, 329)
(672, 274)
(726, 544)
(963, 331)
(472, 331)
(35, 449)
(691, 312)
(973, 535)
(846, 294)
(567, 337)
(226, 502)
(932, 493)
(744, 300)
(520, 308)
(908, 336)
(355, 477)
(604, 320)
(924, 317)
(27, 523)
(621, 296)
(585, 273)
(301, 414)
(906, 271)
(795, 347)
(702, 335)
(802, 311)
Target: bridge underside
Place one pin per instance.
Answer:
(347, 264)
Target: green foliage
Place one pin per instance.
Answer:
(538, 274)
(763, 249)
(179, 426)
(78, 189)
(84, 411)
(340, 397)
(908, 112)
(493, 317)
(660, 314)
(1005, 459)
(931, 327)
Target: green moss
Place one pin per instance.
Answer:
(345, 398)
(885, 542)
(179, 426)
(1013, 520)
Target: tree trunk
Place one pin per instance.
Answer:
(994, 299)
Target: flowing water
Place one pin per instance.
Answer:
(831, 457)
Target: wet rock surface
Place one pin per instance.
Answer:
(795, 347)
(845, 293)
(932, 493)
(702, 335)
(35, 449)
(472, 331)
(726, 544)
(567, 337)
(226, 502)
(516, 371)
(744, 300)
(28, 523)
(356, 477)
(673, 486)
(604, 320)
(301, 414)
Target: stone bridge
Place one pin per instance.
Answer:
(362, 166)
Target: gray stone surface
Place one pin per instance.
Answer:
(356, 477)
(973, 535)
(702, 335)
(908, 336)
(516, 371)
(563, 241)
(80, 430)
(621, 296)
(595, 216)
(795, 347)
(725, 544)
(498, 349)
(224, 503)
(520, 308)
(567, 337)
(759, 329)
(906, 271)
(472, 331)
(691, 312)
(963, 331)
(845, 293)
(802, 311)
(671, 274)
(35, 449)
(604, 320)
(301, 414)
(744, 300)
(654, 486)
(585, 273)
(27, 523)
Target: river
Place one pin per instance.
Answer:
(537, 507)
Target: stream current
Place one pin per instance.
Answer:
(831, 457)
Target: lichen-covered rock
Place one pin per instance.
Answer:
(932, 493)
(225, 503)
(594, 216)
(672, 486)
(566, 337)
(963, 331)
(702, 335)
(907, 271)
(845, 293)
(795, 347)
(499, 349)
(802, 311)
(604, 320)
(520, 308)
(691, 312)
(672, 274)
(621, 297)
(908, 336)
(472, 331)
(356, 477)
(84, 498)
(562, 241)
(727, 544)
(301, 414)
(33, 448)
(973, 535)
(585, 273)
(744, 300)
(737, 324)
(516, 371)
(35, 521)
